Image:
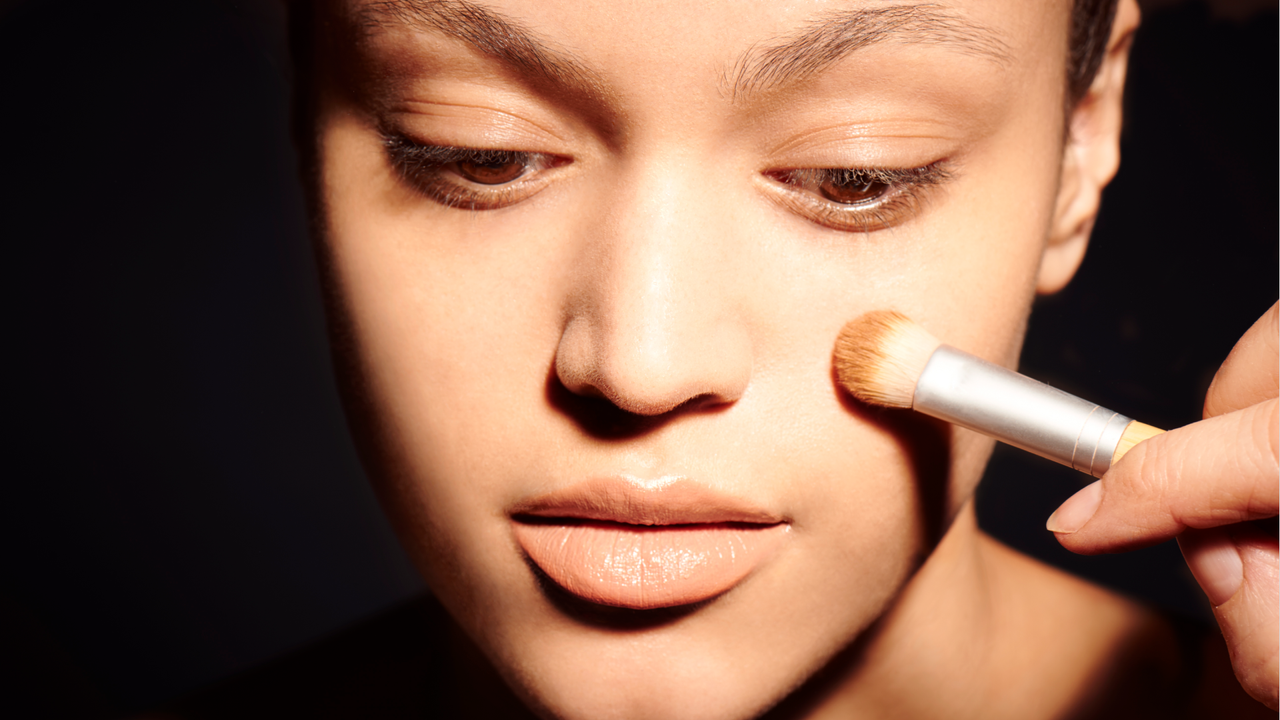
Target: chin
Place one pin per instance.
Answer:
(669, 672)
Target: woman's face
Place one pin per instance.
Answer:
(591, 369)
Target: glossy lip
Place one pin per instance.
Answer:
(643, 544)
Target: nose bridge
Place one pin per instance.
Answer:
(656, 323)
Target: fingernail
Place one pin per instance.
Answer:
(1077, 510)
(1215, 561)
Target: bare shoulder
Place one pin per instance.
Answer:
(1109, 656)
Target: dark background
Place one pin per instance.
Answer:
(181, 502)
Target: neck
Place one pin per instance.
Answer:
(979, 632)
(940, 634)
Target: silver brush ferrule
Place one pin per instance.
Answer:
(973, 393)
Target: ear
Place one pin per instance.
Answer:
(1091, 157)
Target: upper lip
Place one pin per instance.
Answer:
(635, 501)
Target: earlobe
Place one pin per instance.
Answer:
(1091, 156)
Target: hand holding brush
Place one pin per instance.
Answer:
(1214, 484)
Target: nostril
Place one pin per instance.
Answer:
(639, 384)
(631, 395)
(596, 414)
(647, 405)
(602, 417)
(610, 380)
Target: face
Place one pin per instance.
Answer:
(588, 262)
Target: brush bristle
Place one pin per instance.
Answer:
(879, 357)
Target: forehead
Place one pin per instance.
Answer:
(742, 48)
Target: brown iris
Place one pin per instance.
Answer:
(496, 172)
(851, 188)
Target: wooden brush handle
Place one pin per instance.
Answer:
(1135, 433)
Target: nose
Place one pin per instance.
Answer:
(656, 317)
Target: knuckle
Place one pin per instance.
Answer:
(1268, 426)
(1265, 495)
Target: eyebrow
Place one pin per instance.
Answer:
(787, 61)
(488, 32)
(835, 35)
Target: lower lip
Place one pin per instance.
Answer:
(646, 567)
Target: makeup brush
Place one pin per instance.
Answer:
(883, 358)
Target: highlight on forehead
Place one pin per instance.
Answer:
(835, 35)
(485, 30)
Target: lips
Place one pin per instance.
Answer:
(638, 544)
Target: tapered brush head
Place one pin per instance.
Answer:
(879, 357)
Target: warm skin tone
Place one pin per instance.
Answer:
(650, 291)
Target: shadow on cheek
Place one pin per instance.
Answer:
(926, 444)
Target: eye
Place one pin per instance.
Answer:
(855, 199)
(851, 187)
(469, 178)
(491, 172)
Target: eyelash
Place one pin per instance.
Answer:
(904, 190)
(435, 171)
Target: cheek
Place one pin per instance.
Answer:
(965, 270)
(442, 328)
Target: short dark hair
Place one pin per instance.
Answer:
(1091, 22)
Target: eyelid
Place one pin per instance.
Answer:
(518, 124)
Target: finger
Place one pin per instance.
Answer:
(1214, 472)
(1246, 557)
(1251, 373)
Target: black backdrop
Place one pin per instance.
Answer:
(180, 501)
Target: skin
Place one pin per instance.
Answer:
(660, 306)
